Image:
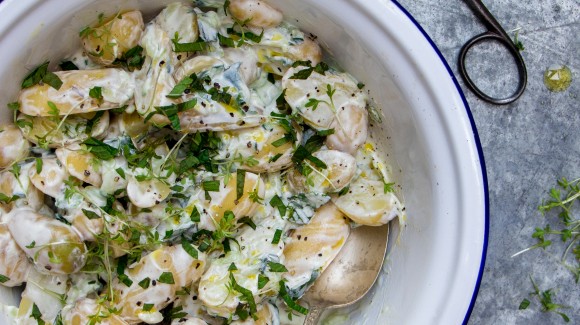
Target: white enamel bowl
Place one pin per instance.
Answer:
(433, 270)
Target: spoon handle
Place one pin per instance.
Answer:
(313, 315)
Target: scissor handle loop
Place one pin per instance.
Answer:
(523, 75)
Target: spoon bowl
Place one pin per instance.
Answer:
(352, 273)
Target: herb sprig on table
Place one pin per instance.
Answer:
(561, 202)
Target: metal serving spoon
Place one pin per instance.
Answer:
(352, 273)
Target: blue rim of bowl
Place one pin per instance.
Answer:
(479, 152)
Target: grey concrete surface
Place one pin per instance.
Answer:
(528, 145)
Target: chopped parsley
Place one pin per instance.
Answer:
(68, 66)
(290, 302)
(276, 202)
(96, 93)
(262, 281)
(100, 149)
(240, 180)
(188, 247)
(277, 267)
(41, 74)
(211, 186)
(248, 221)
(277, 236)
(195, 216)
(145, 283)
(133, 59)
(166, 277)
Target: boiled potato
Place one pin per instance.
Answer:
(81, 312)
(51, 179)
(167, 261)
(225, 199)
(80, 164)
(117, 88)
(113, 37)
(13, 145)
(257, 13)
(13, 261)
(65, 131)
(366, 203)
(340, 169)
(53, 246)
(313, 246)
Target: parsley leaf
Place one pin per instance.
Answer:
(277, 236)
(3, 278)
(171, 111)
(277, 267)
(52, 80)
(247, 295)
(276, 202)
(7, 199)
(248, 221)
(178, 90)
(240, 182)
(211, 186)
(226, 41)
(100, 149)
(189, 248)
(68, 66)
(289, 301)
(524, 304)
(90, 214)
(36, 314)
(167, 278)
(262, 281)
(145, 283)
(195, 216)
(189, 47)
(41, 74)
(133, 59)
(96, 92)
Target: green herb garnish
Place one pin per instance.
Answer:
(277, 267)
(167, 278)
(100, 149)
(277, 236)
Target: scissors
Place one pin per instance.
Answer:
(494, 33)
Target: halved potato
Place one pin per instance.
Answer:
(53, 246)
(112, 38)
(13, 145)
(366, 203)
(73, 97)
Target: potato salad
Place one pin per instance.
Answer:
(204, 167)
